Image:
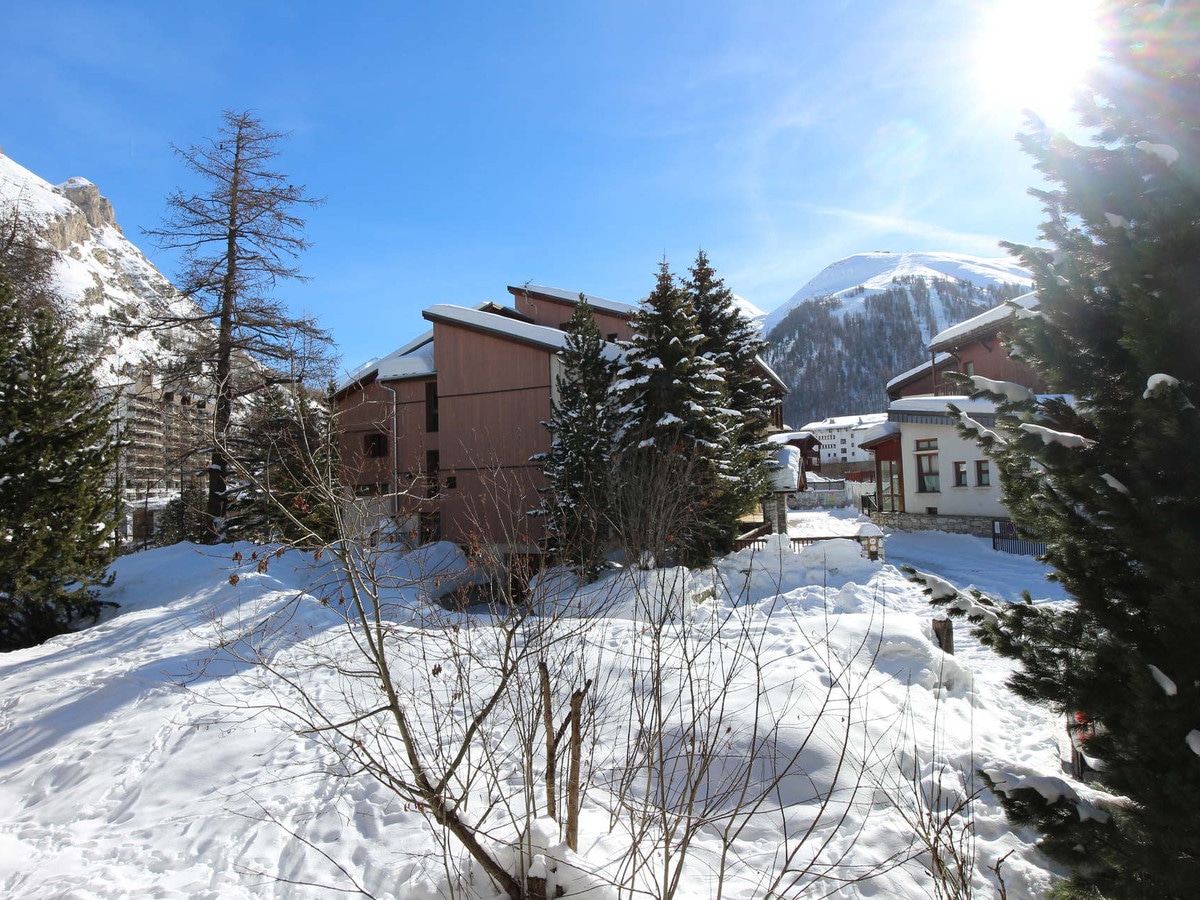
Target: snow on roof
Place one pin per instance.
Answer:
(412, 359)
(783, 437)
(416, 362)
(771, 374)
(917, 370)
(573, 297)
(988, 319)
(863, 421)
(877, 433)
(540, 335)
(930, 403)
(785, 476)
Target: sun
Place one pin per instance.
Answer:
(1034, 54)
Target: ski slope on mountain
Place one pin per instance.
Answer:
(875, 272)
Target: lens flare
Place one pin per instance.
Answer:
(1035, 54)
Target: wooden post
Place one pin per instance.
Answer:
(573, 786)
(551, 742)
(943, 635)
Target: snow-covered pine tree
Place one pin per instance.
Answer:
(59, 496)
(1109, 477)
(734, 345)
(673, 428)
(578, 467)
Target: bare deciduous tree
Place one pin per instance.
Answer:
(240, 234)
(645, 706)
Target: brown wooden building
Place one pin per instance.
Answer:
(439, 434)
(441, 431)
(973, 347)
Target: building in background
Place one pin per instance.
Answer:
(839, 437)
(440, 435)
(927, 475)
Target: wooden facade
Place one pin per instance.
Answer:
(441, 434)
(553, 308)
(443, 442)
(495, 393)
(979, 350)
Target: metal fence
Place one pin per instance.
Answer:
(1005, 539)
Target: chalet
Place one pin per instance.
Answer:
(439, 434)
(927, 476)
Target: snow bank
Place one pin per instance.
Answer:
(148, 756)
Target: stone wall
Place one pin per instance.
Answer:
(979, 526)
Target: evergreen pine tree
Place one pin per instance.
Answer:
(284, 484)
(185, 518)
(732, 343)
(1109, 478)
(59, 496)
(672, 429)
(578, 466)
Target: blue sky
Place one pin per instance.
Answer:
(464, 147)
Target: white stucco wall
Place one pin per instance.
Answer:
(971, 500)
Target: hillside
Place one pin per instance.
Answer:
(868, 317)
(102, 275)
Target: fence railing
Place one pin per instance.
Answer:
(756, 541)
(1005, 539)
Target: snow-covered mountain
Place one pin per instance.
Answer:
(853, 279)
(100, 273)
(868, 317)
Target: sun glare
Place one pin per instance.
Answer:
(1034, 54)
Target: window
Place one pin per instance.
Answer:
(969, 368)
(960, 473)
(370, 490)
(433, 487)
(891, 497)
(983, 472)
(451, 482)
(375, 444)
(927, 466)
(431, 407)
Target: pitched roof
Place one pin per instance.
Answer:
(917, 371)
(412, 360)
(551, 339)
(572, 297)
(985, 323)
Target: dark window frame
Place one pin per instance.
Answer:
(983, 473)
(375, 444)
(431, 407)
(928, 475)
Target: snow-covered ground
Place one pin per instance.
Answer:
(139, 759)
